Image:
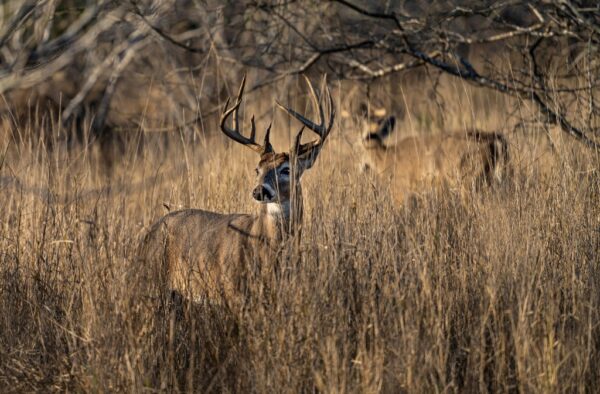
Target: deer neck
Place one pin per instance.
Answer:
(377, 156)
(279, 220)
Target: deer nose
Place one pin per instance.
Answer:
(261, 193)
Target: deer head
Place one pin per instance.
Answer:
(379, 125)
(278, 174)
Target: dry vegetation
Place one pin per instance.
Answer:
(501, 293)
(495, 291)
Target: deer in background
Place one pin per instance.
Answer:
(459, 160)
(207, 255)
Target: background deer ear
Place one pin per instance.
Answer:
(379, 112)
(386, 126)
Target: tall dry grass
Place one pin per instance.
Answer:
(499, 292)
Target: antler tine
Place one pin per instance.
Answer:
(330, 104)
(267, 147)
(316, 101)
(321, 129)
(252, 129)
(238, 101)
(331, 109)
(297, 148)
(235, 133)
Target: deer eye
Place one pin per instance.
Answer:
(285, 171)
(256, 171)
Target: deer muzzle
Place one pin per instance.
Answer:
(263, 194)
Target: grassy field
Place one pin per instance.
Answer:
(498, 292)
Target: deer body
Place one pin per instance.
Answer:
(209, 255)
(418, 163)
(206, 254)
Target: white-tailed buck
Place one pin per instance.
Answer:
(207, 255)
(416, 164)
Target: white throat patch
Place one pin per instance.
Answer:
(276, 209)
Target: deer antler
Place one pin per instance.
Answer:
(320, 129)
(235, 133)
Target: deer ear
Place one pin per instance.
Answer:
(267, 147)
(386, 126)
(306, 160)
(304, 156)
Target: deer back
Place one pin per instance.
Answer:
(204, 254)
